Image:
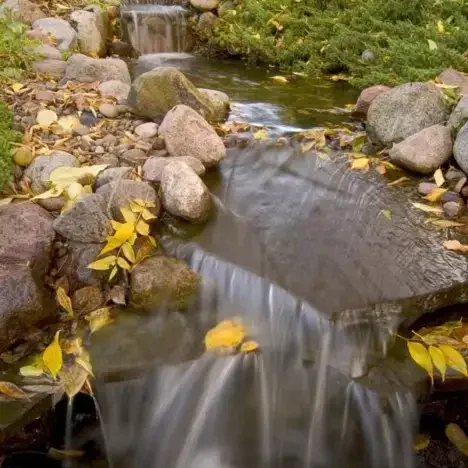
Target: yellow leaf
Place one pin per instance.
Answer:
(152, 241)
(128, 215)
(142, 228)
(438, 359)
(84, 361)
(52, 193)
(147, 215)
(360, 164)
(261, 134)
(52, 356)
(128, 252)
(280, 79)
(73, 379)
(456, 246)
(64, 301)
(104, 263)
(440, 27)
(17, 86)
(435, 194)
(421, 357)
(277, 25)
(432, 45)
(387, 213)
(439, 178)
(57, 454)
(421, 442)
(249, 346)
(397, 181)
(116, 225)
(113, 273)
(124, 232)
(227, 334)
(45, 118)
(307, 146)
(454, 359)
(445, 223)
(112, 244)
(132, 239)
(12, 391)
(140, 202)
(457, 436)
(123, 263)
(65, 175)
(427, 208)
(99, 319)
(31, 371)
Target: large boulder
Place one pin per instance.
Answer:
(365, 99)
(154, 166)
(156, 92)
(42, 166)
(424, 151)
(163, 282)
(60, 29)
(88, 70)
(187, 133)
(453, 77)
(460, 148)
(85, 221)
(459, 116)
(23, 10)
(219, 101)
(25, 252)
(404, 111)
(91, 32)
(76, 270)
(115, 89)
(184, 194)
(120, 193)
(205, 5)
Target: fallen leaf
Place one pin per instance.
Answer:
(457, 436)
(280, 79)
(128, 252)
(128, 215)
(440, 27)
(52, 356)
(64, 176)
(438, 358)
(64, 301)
(123, 263)
(439, 178)
(445, 223)
(360, 164)
(104, 263)
(113, 272)
(142, 228)
(73, 378)
(227, 334)
(421, 357)
(421, 442)
(31, 371)
(147, 215)
(99, 319)
(435, 194)
(307, 146)
(45, 118)
(124, 232)
(68, 123)
(52, 193)
(57, 454)
(249, 346)
(10, 390)
(427, 208)
(17, 86)
(455, 246)
(387, 213)
(397, 181)
(454, 359)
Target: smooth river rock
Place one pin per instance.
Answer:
(60, 29)
(460, 148)
(154, 166)
(404, 111)
(116, 89)
(92, 33)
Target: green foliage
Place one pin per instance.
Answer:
(7, 137)
(16, 50)
(329, 36)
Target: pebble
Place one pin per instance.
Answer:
(23, 156)
(147, 130)
(159, 144)
(453, 174)
(109, 110)
(452, 209)
(99, 150)
(81, 130)
(88, 119)
(110, 159)
(134, 157)
(110, 140)
(124, 147)
(52, 204)
(160, 153)
(45, 96)
(122, 108)
(460, 184)
(451, 197)
(425, 188)
(464, 191)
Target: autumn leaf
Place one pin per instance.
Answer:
(124, 232)
(456, 246)
(52, 193)
(428, 208)
(421, 442)
(142, 228)
(128, 215)
(438, 358)
(104, 263)
(249, 346)
(113, 273)
(280, 79)
(227, 334)
(457, 436)
(387, 213)
(439, 178)
(99, 319)
(147, 215)
(435, 194)
(397, 181)
(440, 26)
(123, 263)
(360, 164)
(421, 357)
(454, 359)
(127, 249)
(17, 87)
(52, 356)
(64, 301)
(12, 391)
(432, 45)
(261, 134)
(112, 244)
(73, 378)
(445, 223)
(307, 146)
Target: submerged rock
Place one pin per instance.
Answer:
(184, 194)
(404, 111)
(163, 282)
(452, 209)
(186, 133)
(154, 166)
(424, 151)
(60, 29)
(365, 99)
(156, 92)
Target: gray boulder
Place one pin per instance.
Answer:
(42, 166)
(184, 194)
(22, 10)
(459, 116)
(91, 32)
(50, 67)
(87, 70)
(156, 92)
(25, 253)
(76, 269)
(48, 52)
(205, 5)
(119, 194)
(187, 133)
(154, 166)
(219, 101)
(365, 99)
(116, 89)
(424, 151)
(460, 148)
(453, 77)
(404, 111)
(60, 29)
(112, 174)
(85, 221)
(163, 282)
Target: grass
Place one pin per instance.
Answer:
(412, 40)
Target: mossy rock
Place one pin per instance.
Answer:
(156, 92)
(163, 283)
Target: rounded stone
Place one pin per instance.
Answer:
(452, 209)
(109, 110)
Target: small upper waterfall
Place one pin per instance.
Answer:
(154, 28)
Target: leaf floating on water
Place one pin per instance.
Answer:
(454, 359)
(397, 181)
(280, 79)
(421, 357)
(52, 356)
(64, 301)
(457, 436)
(12, 391)
(439, 178)
(438, 358)
(227, 334)
(435, 194)
(361, 164)
(421, 442)
(456, 246)
(249, 347)
(427, 208)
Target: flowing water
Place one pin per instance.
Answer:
(297, 250)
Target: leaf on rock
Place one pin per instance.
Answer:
(457, 436)
(439, 178)
(147, 215)
(456, 246)
(128, 252)
(104, 263)
(249, 346)
(123, 263)
(438, 358)
(361, 164)
(12, 391)
(31, 371)
(52, 356)
(112, 244)
(52, 193)
(128, 215)
(99, 319)
(73, 378)
(427, 208)
(435, 194)
(454, 359)
(387, 213)
(124, 232)
(227, 334)
(17, 87)
(68, 123)
(112, 274)
(45, 118)
(64, 301)
(421, 357)
(143, 228)
(65, 176)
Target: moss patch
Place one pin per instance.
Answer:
(7, 137)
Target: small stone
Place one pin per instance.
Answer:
(109, 110)
(88, 119)
(87, 300)
(44, 96)
(99, 150)
(450, 197)
(147, 130)
(117, 295)
(205, 5)
(110, 159)
(425, 188)
(460, 184)
(52, 204)
(116, 89)
(453, 174)
(367, 56)
(452, 209)
(113, 174)
(81, 130)
(134, 157)
(50, 67)
(124, 147)
(110, 140)
(159, 144)
(143, 146)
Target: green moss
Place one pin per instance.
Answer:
(329, 36)
(7, 137)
